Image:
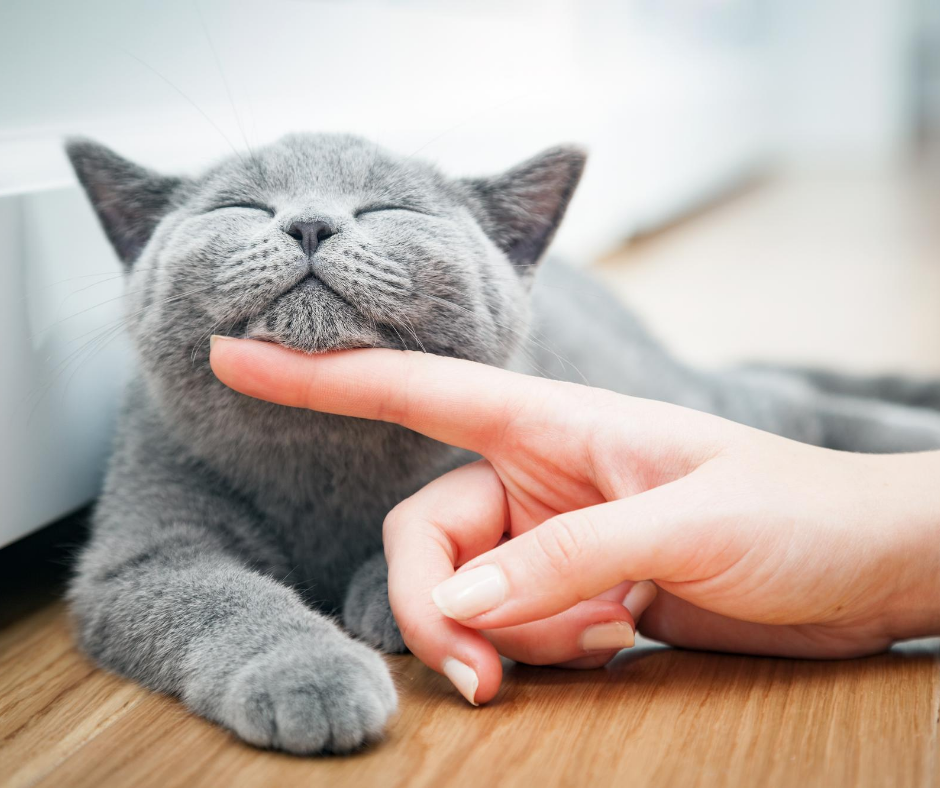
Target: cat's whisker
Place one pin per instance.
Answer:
(122, 319)
(104, 277)
(116, 325)
(118, 298)
(187, 98)
(40, 392)
(205, 338)
(415, 334)
(74, 293)
(218, 65)
(404, 345)
(495, 346)
(109, 272)
(524, 335)
(95, 351)
(51, 285)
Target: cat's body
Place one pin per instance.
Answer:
(584, 333)
(230, 529)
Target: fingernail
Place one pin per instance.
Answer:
(213, 339)
(463, 677)
(467, 594)
(640, 597)
(613, 635)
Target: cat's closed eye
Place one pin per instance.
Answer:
(246, 206)
(382, 207)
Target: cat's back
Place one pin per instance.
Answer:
(582, 333)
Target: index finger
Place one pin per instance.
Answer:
(459, 402)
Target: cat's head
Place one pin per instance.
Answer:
(323, 241)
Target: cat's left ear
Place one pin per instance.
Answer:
(522, 208)
(130, 200)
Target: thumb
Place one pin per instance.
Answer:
(576, 556)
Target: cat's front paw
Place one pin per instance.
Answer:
(367, 613)
(312, 694)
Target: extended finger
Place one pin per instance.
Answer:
(459, 402)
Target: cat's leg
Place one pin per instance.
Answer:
(174, 607)
(902, 390)
(868, 425)
(366, 612)
(787, 405)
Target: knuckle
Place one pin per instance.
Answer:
(394, 521)
(566, 541)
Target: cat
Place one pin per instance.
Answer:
(236, 558)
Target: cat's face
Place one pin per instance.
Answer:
(321, 242)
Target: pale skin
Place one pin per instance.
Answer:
(587, 503)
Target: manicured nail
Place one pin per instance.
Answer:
(213, 339)
(463, 677)
(467, 594)
(640, 597)
(610, 636)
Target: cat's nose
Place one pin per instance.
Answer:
(309, 234)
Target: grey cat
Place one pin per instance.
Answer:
(234, 539)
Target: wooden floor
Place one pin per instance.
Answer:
(657, 716)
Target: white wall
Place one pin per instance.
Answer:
(64, 357)
(927, 38)
(844, 77)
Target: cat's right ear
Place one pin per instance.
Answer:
(129, 199)
(522, 208)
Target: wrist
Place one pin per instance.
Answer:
(906, 525)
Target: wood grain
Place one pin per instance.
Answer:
(655, 717)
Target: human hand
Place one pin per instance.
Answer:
(758, 544)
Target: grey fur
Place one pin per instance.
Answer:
(366, 610)
(913, 392)
(230, 530)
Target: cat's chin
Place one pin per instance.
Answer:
(313, 346)
(313, 318)
(316, 342)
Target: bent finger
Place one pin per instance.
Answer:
(638, 597)
(454, 518)
(596, 630)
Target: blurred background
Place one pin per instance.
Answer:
(762, 182)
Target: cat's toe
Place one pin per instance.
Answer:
(312, 697)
